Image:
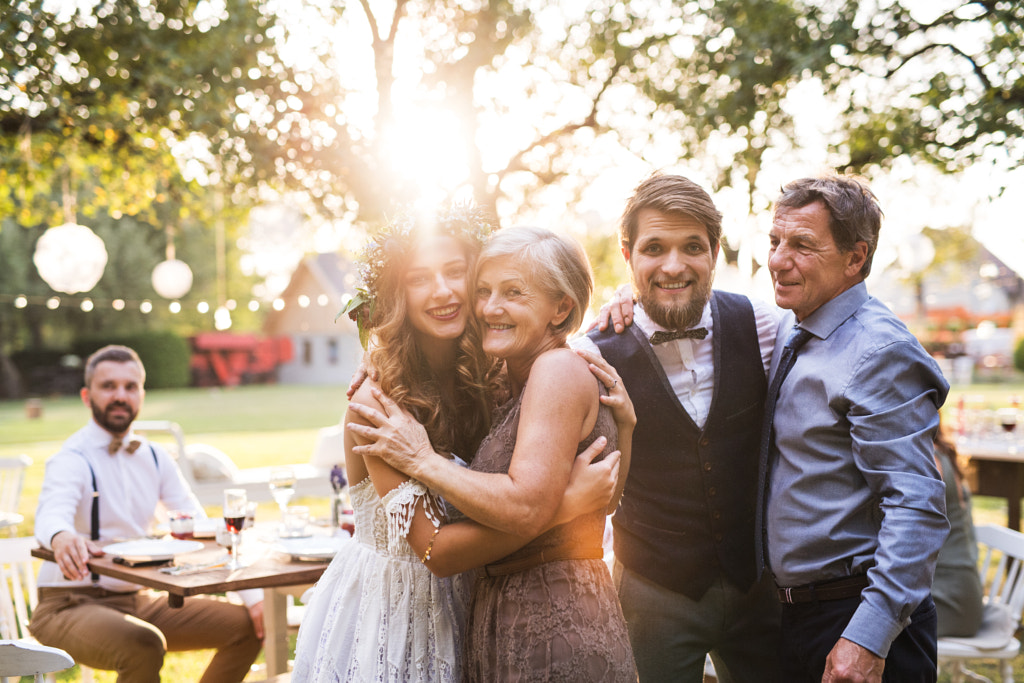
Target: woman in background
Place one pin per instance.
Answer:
(957, 587)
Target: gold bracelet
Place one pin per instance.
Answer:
(430, 546)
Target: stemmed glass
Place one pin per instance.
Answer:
(282, 486)
(235, 506)
(1007, 420)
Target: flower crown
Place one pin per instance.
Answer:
(465, 222)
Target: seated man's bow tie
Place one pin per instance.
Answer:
(115, 445)
(694, 333)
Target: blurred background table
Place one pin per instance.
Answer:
(997, 465)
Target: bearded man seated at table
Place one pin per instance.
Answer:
(105, 484)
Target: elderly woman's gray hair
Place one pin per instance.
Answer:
(555, 264)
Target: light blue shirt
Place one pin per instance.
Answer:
(853, 484)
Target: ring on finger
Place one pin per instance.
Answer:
(615, 383)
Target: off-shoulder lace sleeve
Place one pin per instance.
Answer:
(400, 506)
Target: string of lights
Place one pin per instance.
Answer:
(89, 303)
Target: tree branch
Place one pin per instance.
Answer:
(975, 67)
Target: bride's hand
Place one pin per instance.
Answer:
(617, 398)
(394, 435)
(591, 485)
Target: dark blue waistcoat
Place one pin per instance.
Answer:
(687, 512)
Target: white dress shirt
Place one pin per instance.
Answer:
(689, 363)
(130, 486)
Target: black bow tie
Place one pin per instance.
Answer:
(694, 333)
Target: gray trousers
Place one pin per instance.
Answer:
(671, 634)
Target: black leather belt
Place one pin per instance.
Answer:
(836, 589)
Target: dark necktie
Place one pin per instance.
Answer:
(115, 445)
(671, 335)
(797, 338)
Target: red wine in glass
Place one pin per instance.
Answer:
(234, 524)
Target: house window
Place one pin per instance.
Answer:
(332, 351)
(307, 352)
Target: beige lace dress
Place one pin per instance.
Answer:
(557, 620)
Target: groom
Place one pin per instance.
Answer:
(694, 363)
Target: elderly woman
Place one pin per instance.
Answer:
(547, 610)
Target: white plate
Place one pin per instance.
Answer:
(313, 547)
(153, 549)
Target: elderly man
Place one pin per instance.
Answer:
(853, 503)
(104, 484)
(694, 363)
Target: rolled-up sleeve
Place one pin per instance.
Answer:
(894, 396)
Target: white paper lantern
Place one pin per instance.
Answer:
(172, 279)
(70, 258)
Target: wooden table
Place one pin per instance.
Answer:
(998, 464)
(270, 570)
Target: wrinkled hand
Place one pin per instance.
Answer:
(396, 436)
(848, 662)
(591, 484)
(256, 614)
(72, 552)
(618, 311)
(617, 399)
(363, 372)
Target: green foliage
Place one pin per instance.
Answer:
(1018, 356)
(165, 356)
(938, 84)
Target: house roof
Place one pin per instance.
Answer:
(316, 274)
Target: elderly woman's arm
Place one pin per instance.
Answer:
(558, 411)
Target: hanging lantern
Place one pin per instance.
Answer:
(172, 279)
(70, 258)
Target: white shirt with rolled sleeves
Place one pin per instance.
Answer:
(130, 487)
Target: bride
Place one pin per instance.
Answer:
(378, 613)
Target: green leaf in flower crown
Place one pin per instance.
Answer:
(350, 303)
(358, 307)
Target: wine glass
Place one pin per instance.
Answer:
(1007, 420)
(235, 506)
(282, 486)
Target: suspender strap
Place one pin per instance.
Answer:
(94, 524)
(94, 521)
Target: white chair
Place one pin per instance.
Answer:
(18, 596)
(1002, 557)
(25, 658)
(208, 472)
(12, 476)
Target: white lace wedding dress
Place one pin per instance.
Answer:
(378, 614)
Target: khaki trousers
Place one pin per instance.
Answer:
(129, 633)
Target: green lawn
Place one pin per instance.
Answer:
(265, 425)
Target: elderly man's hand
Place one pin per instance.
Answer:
(848, 662)
(618, 311)
(72, 552)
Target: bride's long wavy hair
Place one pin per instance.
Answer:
(456, 425)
